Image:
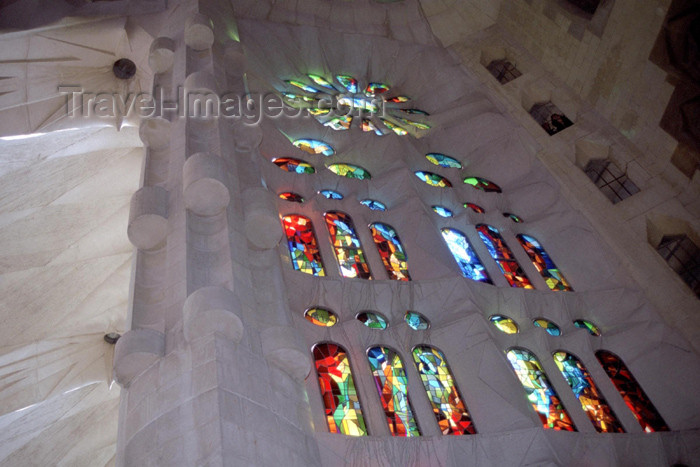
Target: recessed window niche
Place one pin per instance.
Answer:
(549, 108)
(500, 63)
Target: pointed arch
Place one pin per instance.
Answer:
(539, 390)
(592, 401)
(391, 250)
(501, 253)
(543, 263)
(338, 390)
(463, 253)
(302, 245)
(448, 406)
(392, 385)
(346, 244)
(631, 392)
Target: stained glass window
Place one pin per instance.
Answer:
(588, 326)
(399, 99)
(321, 81)
(392, 385)
(482, 184)
(376, 88)
(368, 125)
(585, 390)
(339, 123)
(321, 317)
(503, 70)
(303, 248)
(348, 82)
(302, 86)
(475, 207)
(442, 211)
(313, 146)
(448, 406)
(290, 164)
(349, 171)
(340, 399)
(359, 103)
(512, 217)
(543, 263)
(551, 328)
(539, 390)
(290, 196)
(391, 250)
(419, 125)
(433, 179)
(415, 112)
(331, 194)
(394, 127)
(504, 324)
(464, 255)
(416, 321)
(499, 251)
(374, 205)
(347, 247)
(372, 320)
(442, 160)
(631, 392)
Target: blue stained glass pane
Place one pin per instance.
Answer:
(465, 256)
(442, 211)
(330, 194)
(373, 205)
(416, 321)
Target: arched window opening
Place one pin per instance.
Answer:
(499, 251)
(592, 402)
(391, 250)
(539, 390)
(543, 263)
(463, 253)
(346, 244)
(302, 245)
(392, 386)
(631, 392)
(340, 399)
(448, 406)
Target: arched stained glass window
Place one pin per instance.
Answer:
(303, 248)
(340, 399)
(347, 247)
(392, 385)
(391, 250)
(499, 251)
(464, 255)
(585, 390)
(482, 184)
(448, 406)
(539, 390)
(543, 263)
(631, 392)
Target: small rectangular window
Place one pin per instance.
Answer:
(503, 70)
(550, 117)
(611, 181)
(683, 256)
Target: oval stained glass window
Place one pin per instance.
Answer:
(442, 160)
(290, 196)
(420, 126)
(504, 324)
(482, 184)
(551, 328)
(349, 171)
(340, 123)
(416, 321)
(314, 146)
(394, 127)
(321, 81)
(512, 217)
(376, 88)
(373, 205)
(399, 99)
(290, 164)
(302, 86)
(368, 125)
(433, 179)
(475, 207)
(331, 194)
(415, 112)
(372, 320)
(588, 326)
(321, 317)
(348, 82)
(442, 211)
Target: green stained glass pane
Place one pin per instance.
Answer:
(340, 399)
(302, 245)
(592, 402)
(443, 160)
(321, 317)
(433, 179)
(290, 164)
(543, 263)
(551, 328)
(348, 82)
(392, 386)
(349, 171)
(588, 326)
(416, 321)
(313, 146)
(539, 390)
(504, 324)
(346, 244)
(482, 184)
(321, 81)
(449, 408)
(391, 250)
(372, 320)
